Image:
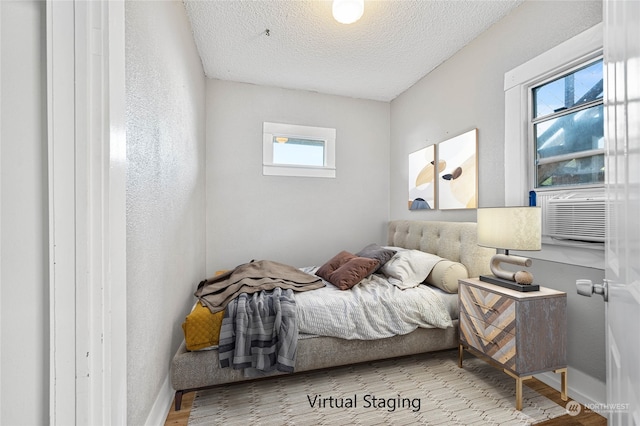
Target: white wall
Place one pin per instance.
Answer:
(467, 92)
(165, 194)
(24, 306)
(299, 221)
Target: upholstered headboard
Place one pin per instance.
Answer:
(455, 241)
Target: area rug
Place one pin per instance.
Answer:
(426, 389)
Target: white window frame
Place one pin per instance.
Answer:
(532, 142)
(325, 134)
(518, 82)
(518, 149)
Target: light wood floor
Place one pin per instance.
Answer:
(180, 417)
(585, 418)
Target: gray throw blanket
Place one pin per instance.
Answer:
(216, 292)
(259, 333)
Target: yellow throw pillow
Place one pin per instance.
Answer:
(202, 328)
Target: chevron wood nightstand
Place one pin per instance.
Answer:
(523, 333)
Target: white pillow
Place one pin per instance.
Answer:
(409, 268)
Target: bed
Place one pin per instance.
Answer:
(193, 370)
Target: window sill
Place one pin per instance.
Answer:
(300, 171)
(591, 256)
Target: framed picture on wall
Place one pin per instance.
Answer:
(458, 176)
(422, 176)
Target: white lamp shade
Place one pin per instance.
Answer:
(510, 228)
(347, 11)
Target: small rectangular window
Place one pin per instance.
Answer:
(293, 150)
(568, 129)
(298, 151)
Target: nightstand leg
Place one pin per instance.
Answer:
(563, 383)
(518, 394)
(460, 355)
(519, 381)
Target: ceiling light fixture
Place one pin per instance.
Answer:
(347, 11)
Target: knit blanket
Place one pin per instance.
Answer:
(259, 333)
(216, 292)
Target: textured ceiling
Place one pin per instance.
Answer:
(391, 47)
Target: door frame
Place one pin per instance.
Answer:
(87, 211)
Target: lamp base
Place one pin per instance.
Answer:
(509, 284)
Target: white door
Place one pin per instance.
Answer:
(622, 130)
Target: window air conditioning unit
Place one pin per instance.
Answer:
(575, 216)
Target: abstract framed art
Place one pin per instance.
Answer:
(422, 178)
(458, 172)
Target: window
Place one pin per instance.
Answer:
(567, 129)
(298, 151)
(527, 122)
(292, 150)
(554, 146)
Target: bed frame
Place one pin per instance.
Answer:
(456, 241)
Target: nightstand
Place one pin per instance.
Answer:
(523, 333)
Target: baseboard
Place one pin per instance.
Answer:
(158, 414)
(581, 387)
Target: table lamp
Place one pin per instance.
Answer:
(510, 228)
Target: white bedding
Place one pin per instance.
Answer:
(372, 309)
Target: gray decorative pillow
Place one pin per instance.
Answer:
(374, 251)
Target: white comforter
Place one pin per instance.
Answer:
(372, 309)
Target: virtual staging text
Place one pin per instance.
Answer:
(365, 401)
